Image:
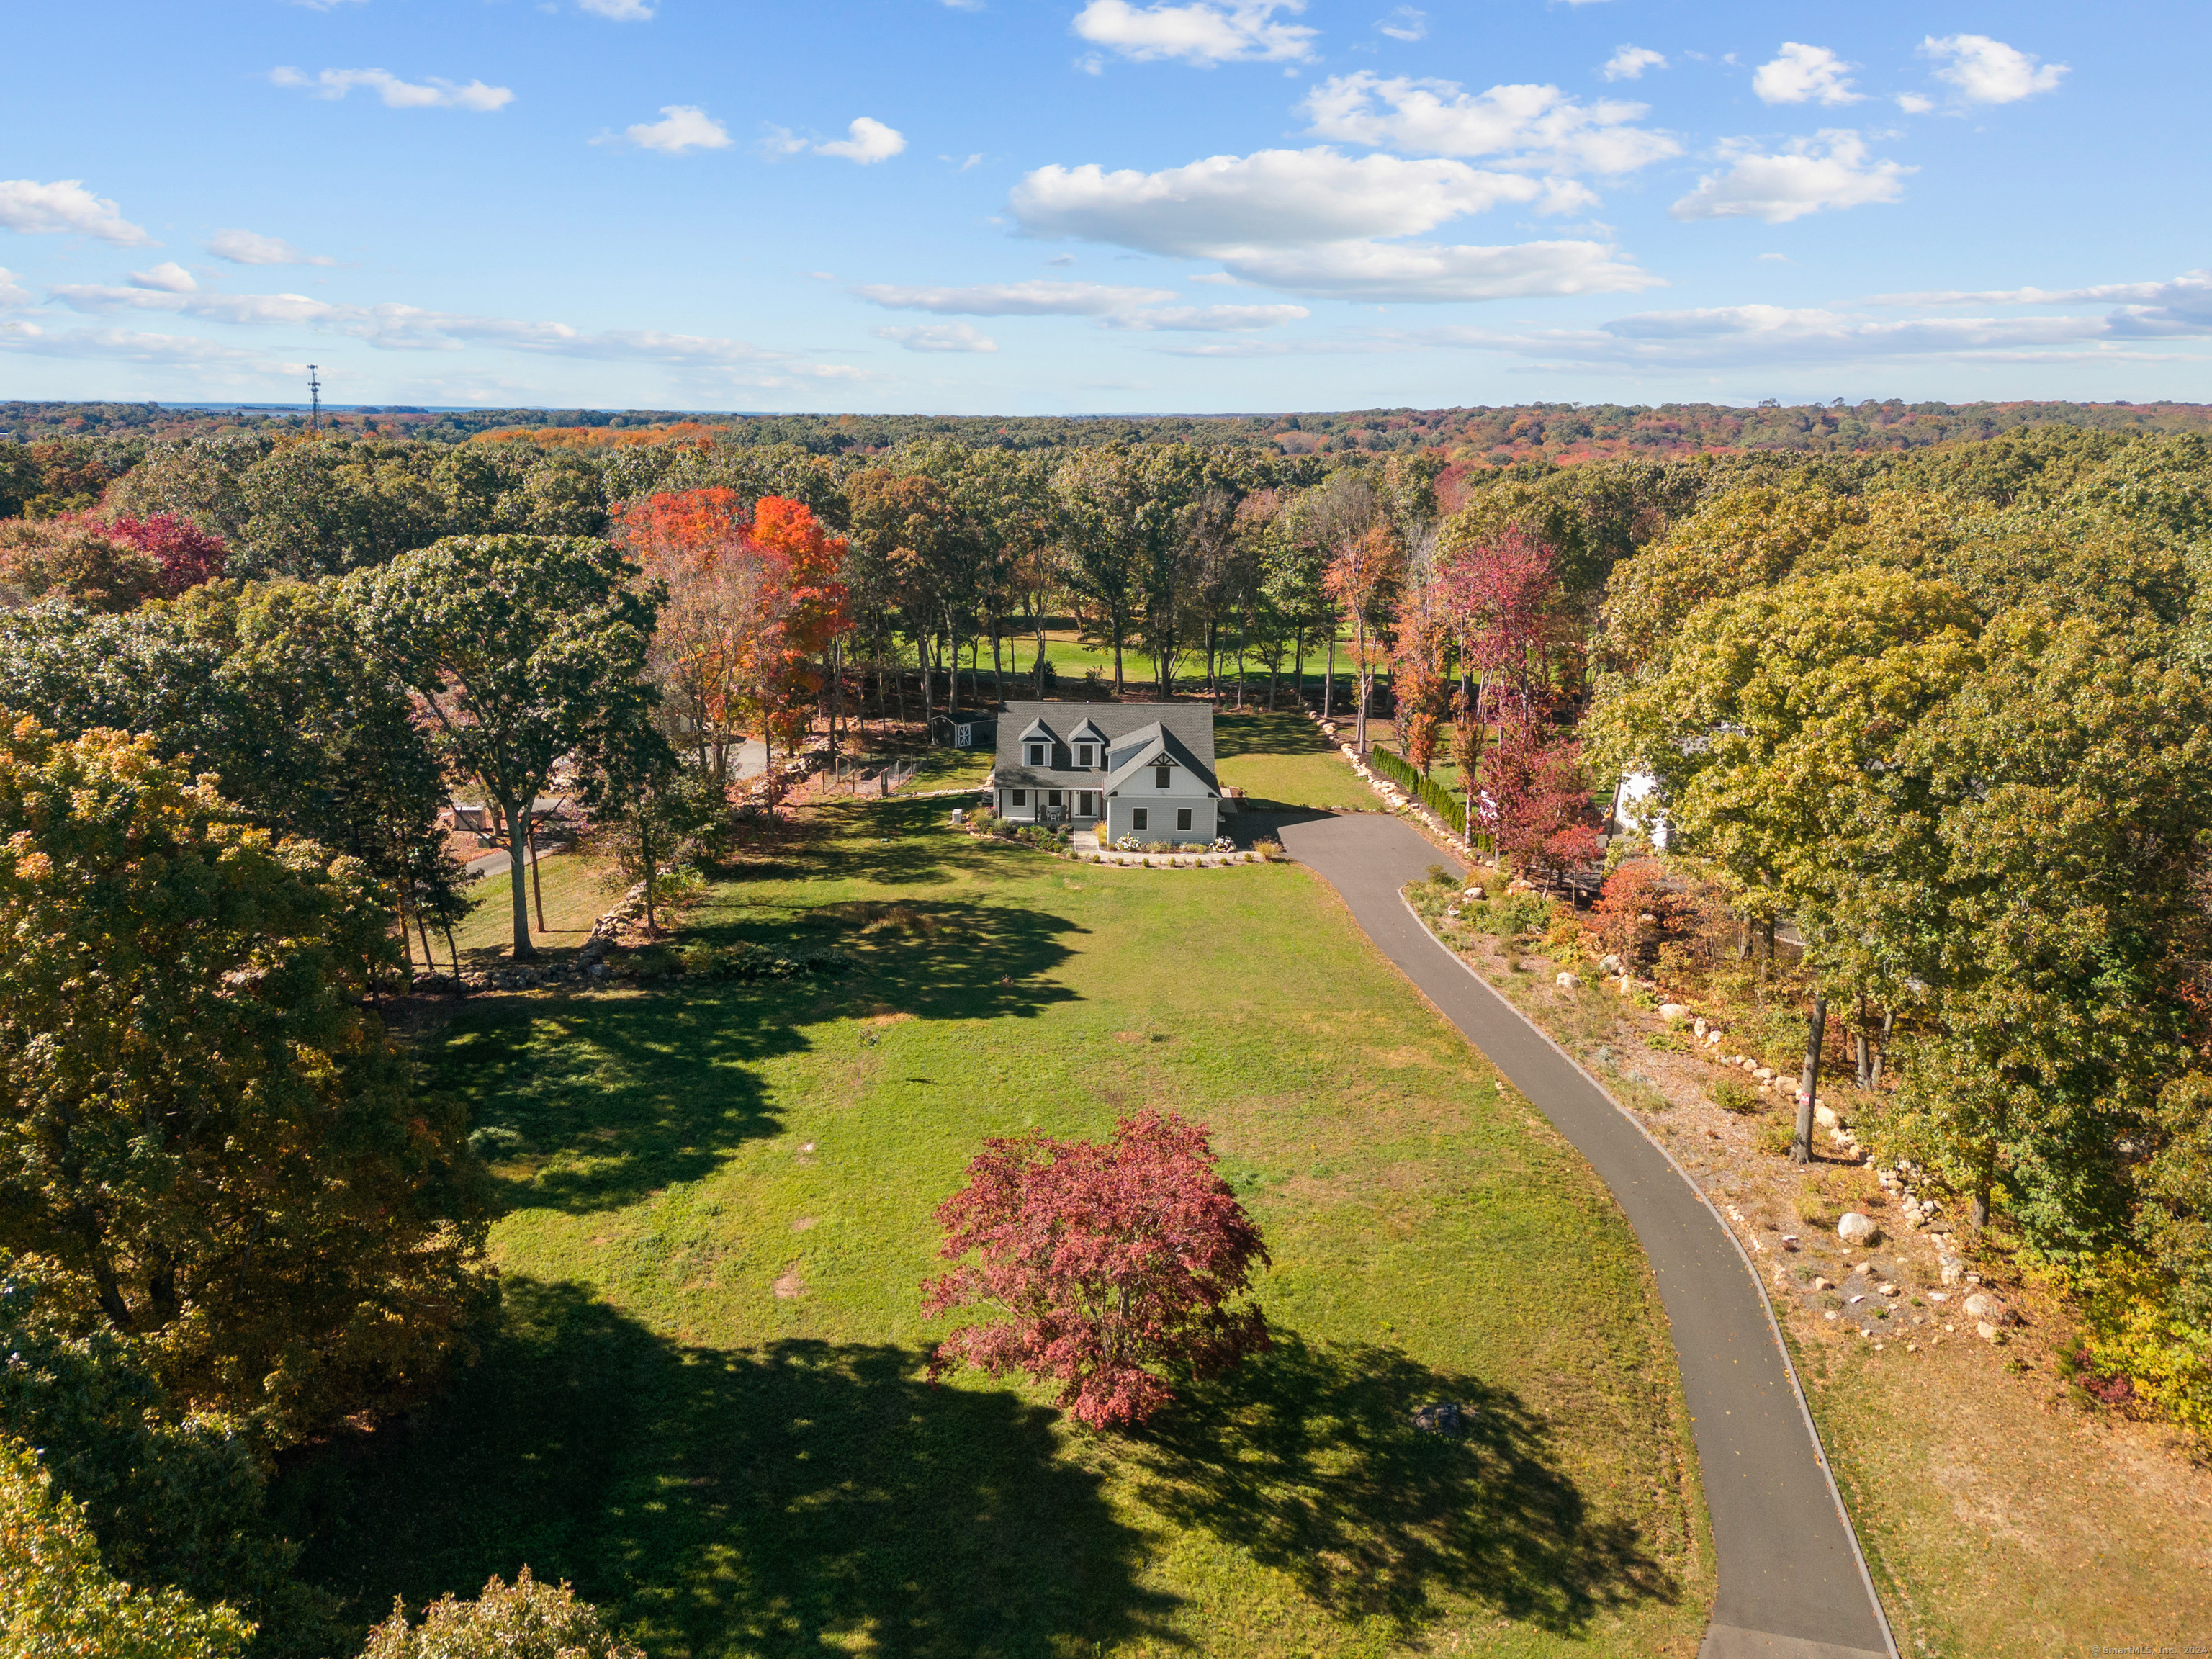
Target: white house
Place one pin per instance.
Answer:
(1123, 768)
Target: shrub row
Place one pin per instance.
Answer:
(1438, 800)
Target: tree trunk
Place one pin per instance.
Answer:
(452, 950)
(1800, 1147)
(422, 927)
(518, 891)
(1328, 674)
(1860, 1057)
(998, 665)
(1882, 1052)
(536, 889)
(645, 858)
(1366, 684)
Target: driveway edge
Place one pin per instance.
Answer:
(1774, 1325)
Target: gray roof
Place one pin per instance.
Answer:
(1185, 728)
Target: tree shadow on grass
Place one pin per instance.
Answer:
(1236, 736)
(591, 1102)
(787, 1501)
(1307, 1459)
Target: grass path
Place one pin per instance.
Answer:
(707, 1406)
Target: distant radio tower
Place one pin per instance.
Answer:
(314, 401)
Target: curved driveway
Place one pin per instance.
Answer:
(1791, 1583)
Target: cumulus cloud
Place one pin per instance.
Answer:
(1913, 104)
(939, 336)
(1827, 171)
(1273, 198)
(65, 207)
(1805, 74)
(622, 11)
(1987, 71)
(1209, 320)
(681, 127)
(167, 277)
(1406, 23)
(246, 247)
(870, 141)
(1200, 33)
(1314, 221)
(12, 292)
(1629, 62)
(434, 93)
(1036, 298)
(1531, 127)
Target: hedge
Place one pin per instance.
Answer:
(1442, 801)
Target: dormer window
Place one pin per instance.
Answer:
(1037, 754)
(1086, 756)
(1160, 776)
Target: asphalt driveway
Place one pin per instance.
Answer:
(1790, 1582)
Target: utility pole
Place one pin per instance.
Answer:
(314, 401)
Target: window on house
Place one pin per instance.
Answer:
(1054, 798)
(1021, 798)
(1183, 818)
(1160, 776)
(1037, 754)
(1140, 818)
(1087, 805)
(1085, 755)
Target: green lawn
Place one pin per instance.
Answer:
(706, 1406)
(1284, 760)
(577, 893)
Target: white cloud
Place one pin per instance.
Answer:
(167, 277)
(871, 141)
(939, 336)
(1535, 126)
(436, 94)
(12, 292)
(1309, 222)
(1280, 198)
(1804, 74)
(1913, 104)
(1200, 33)
(246, 247)
(1629, 62)
(1423, 273)
(124, 345)
(1988, 71)
(1035, 298)
(2180, 306)
(1209, 320)
(681, 127)
(1406, 23)
(622, 11)
(65, 207)
(1829, 171)
(323, 5)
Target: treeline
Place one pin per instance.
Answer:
(1952, 715)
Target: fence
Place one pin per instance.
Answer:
(1447, 806)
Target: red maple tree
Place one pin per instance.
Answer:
(188, 554)
(1110, 1260)
(1537, 801)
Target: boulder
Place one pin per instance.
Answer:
(1673, 1012)
(1698, 1026)
(1713, 1039)
(1609, 964)
(1569, 981)
(1856, 1229)
(1763, 1073)
(1982, 1305)
(1825, 1116)
(1987, 1332)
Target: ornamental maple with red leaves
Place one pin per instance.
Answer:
(1108, 1260)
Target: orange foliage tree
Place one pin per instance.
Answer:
(754, 601)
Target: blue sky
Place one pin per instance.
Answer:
(1032, 206)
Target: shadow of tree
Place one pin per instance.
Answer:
(794, 1500)
(1236, 736)
(1307, 1458)
(607, 1099)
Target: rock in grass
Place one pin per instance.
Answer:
(1856, 1229)
(1673, 1011)
(1569, 981)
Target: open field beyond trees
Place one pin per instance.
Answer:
(705, 1403)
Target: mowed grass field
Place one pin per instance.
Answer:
(707, 1405)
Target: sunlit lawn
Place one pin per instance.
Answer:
(707, 1406)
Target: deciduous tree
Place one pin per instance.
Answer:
(1106, 1262)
